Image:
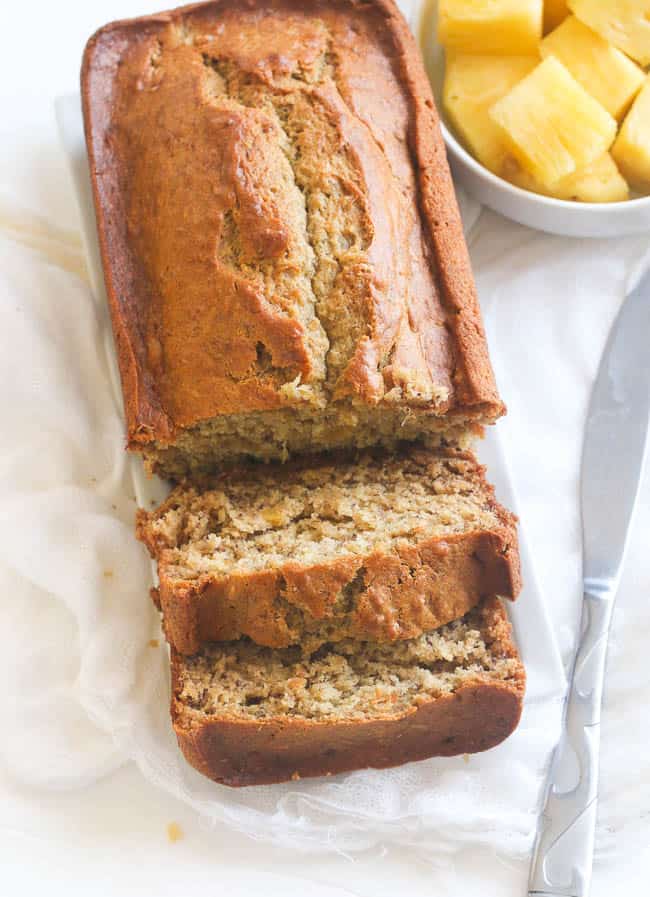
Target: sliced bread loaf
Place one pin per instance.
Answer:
(380, 546)
(247, 715)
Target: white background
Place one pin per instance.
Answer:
(547, 319)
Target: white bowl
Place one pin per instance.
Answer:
(570, 219)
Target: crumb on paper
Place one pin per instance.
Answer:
(108, 574)
(154, 643)
(466, 758)
(174, 832)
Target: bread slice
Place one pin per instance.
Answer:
(248, 715)
(378, 547)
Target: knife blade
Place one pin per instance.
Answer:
(615, 437)
(613, 454)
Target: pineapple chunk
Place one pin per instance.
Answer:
(551, 124)
(555, 11)
(604, 72)
(624, 23)
(472, 85)
(599, 182)
(632, 147)
(508, 27)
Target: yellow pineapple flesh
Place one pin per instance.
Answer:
(508, 27)
(472, 85)
(551, 124)
(604, 72)
(599, 182)
(623, 23)
(555, 11)
(631, 150)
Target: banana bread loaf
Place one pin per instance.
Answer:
(378, 547)
(282, 250)
(247, 715)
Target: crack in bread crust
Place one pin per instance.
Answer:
(337, 227)
(250, 320)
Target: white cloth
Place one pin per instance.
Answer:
(549, 303)
(85, 691)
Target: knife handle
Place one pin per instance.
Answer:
(563, 853)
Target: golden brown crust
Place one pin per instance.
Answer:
(237, 752)
(399, 596)
(474, 378)
(391, 595)
(474, 719)
(160, 154)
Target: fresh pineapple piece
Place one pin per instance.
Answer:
(551, 124)
(631, 150)
(604, 72)
(599, 182)
(472, 85)
(555, 11)
(508, 27)
(624, 23)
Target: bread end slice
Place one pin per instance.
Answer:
(248, 715)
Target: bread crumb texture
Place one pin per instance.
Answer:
(348, 680)
(278, 435)
(310, 515)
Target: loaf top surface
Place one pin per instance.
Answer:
(276, 216)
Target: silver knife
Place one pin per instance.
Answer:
(612, 460)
